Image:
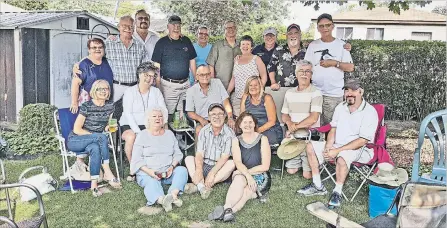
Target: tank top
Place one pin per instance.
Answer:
(250, 153)
(241, 73)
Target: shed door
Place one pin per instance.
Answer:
(66, 49)
(7, 76)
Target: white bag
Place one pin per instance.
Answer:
(44, 182)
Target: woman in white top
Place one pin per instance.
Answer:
(245, 66)
(136, 101)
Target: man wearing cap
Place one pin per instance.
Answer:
(202, 48)
(330, 61)
(204, 93)
(265, 50)
(301, 110)
(176, 56)
(221, 57)
(354, 124)
(211, 164)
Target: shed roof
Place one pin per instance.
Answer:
(31, 18)
(384, 15)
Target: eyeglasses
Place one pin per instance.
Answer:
(128, 27)
(220, 115)
(325, 25)
(97, 48)
(203, 34)
(149, 75)
(204, 75)
(143, 18)
(305, 72)
(102, 89)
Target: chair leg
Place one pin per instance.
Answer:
(114, 157)
(8, 203)
(67, 173)
(282, 169)
(365, 177)
(120, 151)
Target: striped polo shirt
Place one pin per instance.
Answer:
(299, 104)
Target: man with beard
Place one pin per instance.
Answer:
(301, 110)
(148, 38)
(330, 61)
(265, 50)
(221, 57)
(176, 56)
(353, 126)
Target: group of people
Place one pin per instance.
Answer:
(230, 88)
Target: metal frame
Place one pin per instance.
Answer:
(65, 153)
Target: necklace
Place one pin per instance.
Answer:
(145, 106)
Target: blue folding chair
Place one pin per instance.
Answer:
(433, 126)
(66, 121)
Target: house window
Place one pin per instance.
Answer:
(344, 33)
(421, 35)
(82, 23)
(374, 34)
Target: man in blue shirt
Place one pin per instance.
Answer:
(266, 49)
(202, 48)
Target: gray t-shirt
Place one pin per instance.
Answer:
(198, 102)
(96, 117)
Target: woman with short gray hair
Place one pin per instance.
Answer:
(136, 101)
(155, 161)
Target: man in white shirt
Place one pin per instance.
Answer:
(354, 124)
(142, 33)
(330, 61)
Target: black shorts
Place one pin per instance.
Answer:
(127, 127)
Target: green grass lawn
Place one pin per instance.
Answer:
(118, 208)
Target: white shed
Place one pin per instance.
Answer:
(40, 48)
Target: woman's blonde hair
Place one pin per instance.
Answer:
(247, 84)
(152, 108)
(97, 85)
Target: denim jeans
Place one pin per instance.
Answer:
(153, 188)
(95, 144)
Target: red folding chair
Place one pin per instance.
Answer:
(367, 169)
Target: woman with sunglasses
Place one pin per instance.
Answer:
(87, 136)
(136, 101)
(94, 67)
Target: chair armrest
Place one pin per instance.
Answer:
(9, 222)
(60, 138)
(416, 165)
(323, 129)
(34, 189)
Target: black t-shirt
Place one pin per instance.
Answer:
(265, 55)
(174, 57)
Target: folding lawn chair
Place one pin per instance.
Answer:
(365, 170)
(65, 120)
(187, 134)
(436, 133)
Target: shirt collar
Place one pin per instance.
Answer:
(137, 36)
(265, 49)
(361, 107)
(221, 130)
(180, 38)
(200, 88)
(227, 44)
(118, 40)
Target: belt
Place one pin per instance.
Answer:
(124, 84)
(175, 81)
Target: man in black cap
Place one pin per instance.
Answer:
(330, 62)
(176, 56)
(266, 49)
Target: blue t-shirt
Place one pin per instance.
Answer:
(202, 54)
(92, 72)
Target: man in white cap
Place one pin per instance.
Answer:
(265, 50)
(354, 124)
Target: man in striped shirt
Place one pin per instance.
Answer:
(301, 110)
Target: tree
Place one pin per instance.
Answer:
(128, 8)
(213, 13)
(93, 6)
(29, 4)
(440, 10)
(394, 6)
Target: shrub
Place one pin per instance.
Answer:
(35, 133)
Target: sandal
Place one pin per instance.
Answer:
(131, 178)
(96, 192)
(114, 183)
(228, 215)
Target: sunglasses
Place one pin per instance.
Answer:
(325, 25)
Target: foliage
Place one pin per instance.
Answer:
(213, 14)
(440, 10)
(394, 6)
(35, 133)
(409, 77)
(29, 4)
(93, 6)
(128, 8)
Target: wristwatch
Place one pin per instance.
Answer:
(338, 64)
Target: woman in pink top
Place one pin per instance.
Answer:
(245, 66)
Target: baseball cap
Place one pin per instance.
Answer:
(174, 19)
(216, 105)
(270, 30)
(293, 26)
(323, 16)
(354, 84)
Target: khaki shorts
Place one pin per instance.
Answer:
(298, 162)
(362, 155)
(329, 104)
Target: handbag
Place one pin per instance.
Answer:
(44, 182)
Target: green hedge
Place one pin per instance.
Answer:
(35, 134)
